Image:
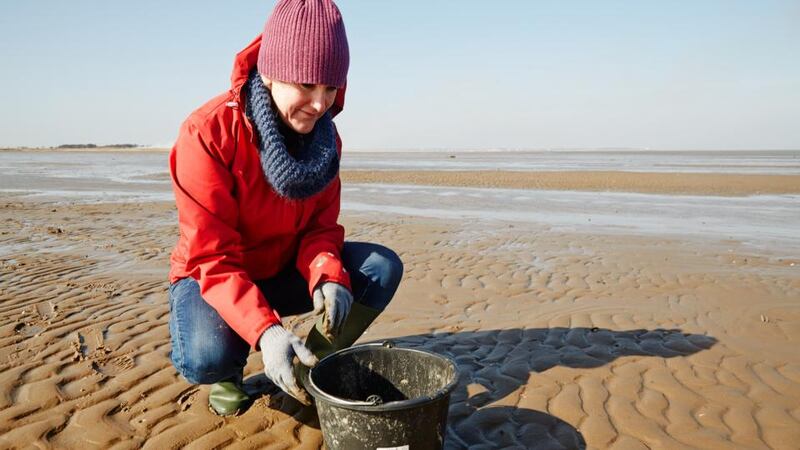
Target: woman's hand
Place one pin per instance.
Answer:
(278, 348)
(335, 300)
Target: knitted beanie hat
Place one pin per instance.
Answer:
(304, 42)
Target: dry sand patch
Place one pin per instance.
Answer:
(611, 181)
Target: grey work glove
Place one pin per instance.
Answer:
(278, 348)
(335, 300)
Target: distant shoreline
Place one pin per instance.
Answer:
(568, 178)
(99, 149)
(440, 151)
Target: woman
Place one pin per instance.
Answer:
(255, 176)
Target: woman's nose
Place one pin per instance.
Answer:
(317, 105)
(318, 99)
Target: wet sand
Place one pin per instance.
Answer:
(612, 181)
(563, 340)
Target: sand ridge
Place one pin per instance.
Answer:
(613, 181)
(562, 340)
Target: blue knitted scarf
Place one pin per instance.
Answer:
(315, 161)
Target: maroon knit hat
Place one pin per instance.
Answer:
(304, 42)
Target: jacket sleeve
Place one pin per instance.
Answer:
(319, 254)
(208, 216)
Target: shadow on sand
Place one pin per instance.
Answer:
(501, 361)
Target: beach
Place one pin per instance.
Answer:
(590, 300)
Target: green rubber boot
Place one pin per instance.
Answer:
(227, 397)
(357, 321)
(355, 324)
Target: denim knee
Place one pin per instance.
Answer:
(204, 348)
(392, 270)
(379, 270)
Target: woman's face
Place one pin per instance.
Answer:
(300, 105)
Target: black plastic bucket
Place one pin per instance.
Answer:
(378, 396)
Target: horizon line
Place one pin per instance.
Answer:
(135, 147)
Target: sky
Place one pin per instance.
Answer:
(447, 74)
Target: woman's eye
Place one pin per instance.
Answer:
(330, 89)
(307, 86)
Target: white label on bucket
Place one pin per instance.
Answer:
(404, 447)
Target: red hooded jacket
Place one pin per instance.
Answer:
(234, 228)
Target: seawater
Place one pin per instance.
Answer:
(745, 162)
(762, 220)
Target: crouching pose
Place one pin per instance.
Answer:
(255, 173)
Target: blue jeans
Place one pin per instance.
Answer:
(206, 350)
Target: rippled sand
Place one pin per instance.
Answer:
(571, 340)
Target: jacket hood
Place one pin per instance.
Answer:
(247, 59)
